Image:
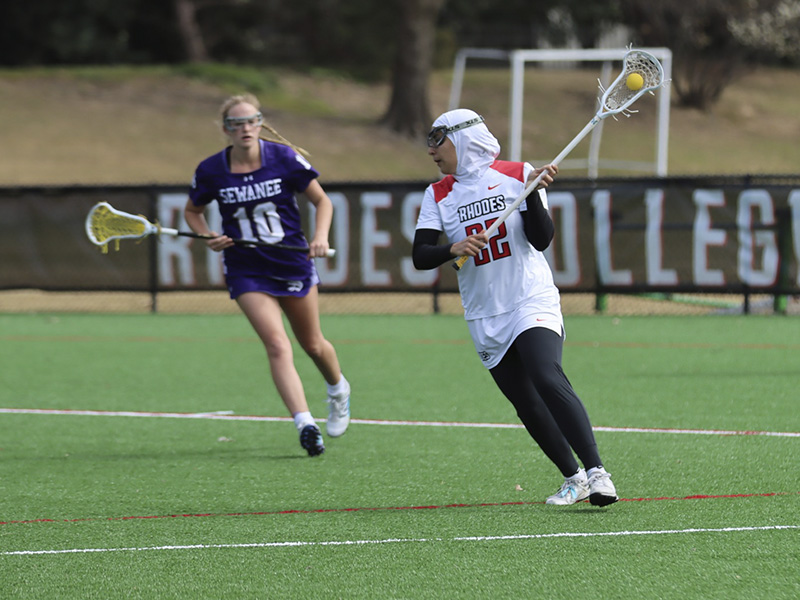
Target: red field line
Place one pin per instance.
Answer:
(383, 508)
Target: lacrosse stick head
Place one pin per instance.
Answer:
(618, 97)
(105, 223)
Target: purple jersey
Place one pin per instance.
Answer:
(259, 206)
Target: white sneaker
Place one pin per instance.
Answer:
(338, 413)
(574, 489)
(601, 489)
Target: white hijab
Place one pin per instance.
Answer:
(476, 147)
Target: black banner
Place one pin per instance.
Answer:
(709, 234)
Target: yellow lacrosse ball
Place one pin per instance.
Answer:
(634, 81)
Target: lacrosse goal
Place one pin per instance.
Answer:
(518, 59)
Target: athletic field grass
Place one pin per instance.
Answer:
(148, 456)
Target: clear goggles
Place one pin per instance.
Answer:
(234, 123)
(438, 134)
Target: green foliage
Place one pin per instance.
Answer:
(773, 33)
(232, 78)
(87, 32)
(713, 41)
(359, 36)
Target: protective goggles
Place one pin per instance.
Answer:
(438, 134)
(234, 123)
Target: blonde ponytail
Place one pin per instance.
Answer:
(279, 139)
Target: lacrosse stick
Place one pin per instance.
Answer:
(615, 100)
(105, 223)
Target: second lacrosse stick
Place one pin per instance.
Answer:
(105, 223)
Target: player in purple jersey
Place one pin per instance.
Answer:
(511, 304)
(254, 181)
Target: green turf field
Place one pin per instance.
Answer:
(142, 481)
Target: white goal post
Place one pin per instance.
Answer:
(517, 60)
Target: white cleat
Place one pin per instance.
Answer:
(574, 489)
(601, 489)
(338, 413)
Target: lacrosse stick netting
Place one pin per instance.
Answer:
(105, 223)
(619, 96)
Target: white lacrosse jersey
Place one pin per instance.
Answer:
(509, 272)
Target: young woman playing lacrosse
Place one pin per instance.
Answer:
(254, 181)
(510, 303)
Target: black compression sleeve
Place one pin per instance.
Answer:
(539, 228)
(426, 253)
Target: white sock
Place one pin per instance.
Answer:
(579, 474)
(338, 388)
(302, 419)
(594, 470)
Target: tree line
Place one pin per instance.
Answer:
(713, 41)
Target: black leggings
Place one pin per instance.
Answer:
(530, 376)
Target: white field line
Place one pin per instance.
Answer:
(227, 416)
(482, 538)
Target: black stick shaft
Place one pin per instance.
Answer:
(192, 234)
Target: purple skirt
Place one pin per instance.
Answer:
(239, 284)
